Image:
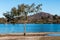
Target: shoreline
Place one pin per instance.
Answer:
(31, 33)
(29, 36)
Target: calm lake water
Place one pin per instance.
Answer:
(17, 28)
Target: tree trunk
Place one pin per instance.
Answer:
(24, 29)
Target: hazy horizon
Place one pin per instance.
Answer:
(49, 6)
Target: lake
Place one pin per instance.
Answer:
(17, 28)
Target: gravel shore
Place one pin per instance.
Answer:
(29, 36)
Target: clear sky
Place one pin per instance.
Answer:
(49, 6)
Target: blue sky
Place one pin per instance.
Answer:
(49, 6)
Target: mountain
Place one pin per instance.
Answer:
(39, 15)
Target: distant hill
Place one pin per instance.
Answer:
(39, 15)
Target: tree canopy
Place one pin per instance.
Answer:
(22, 10)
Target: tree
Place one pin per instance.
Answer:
(14, 11)
(55, 17)
(25, 10)
(8, 16)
